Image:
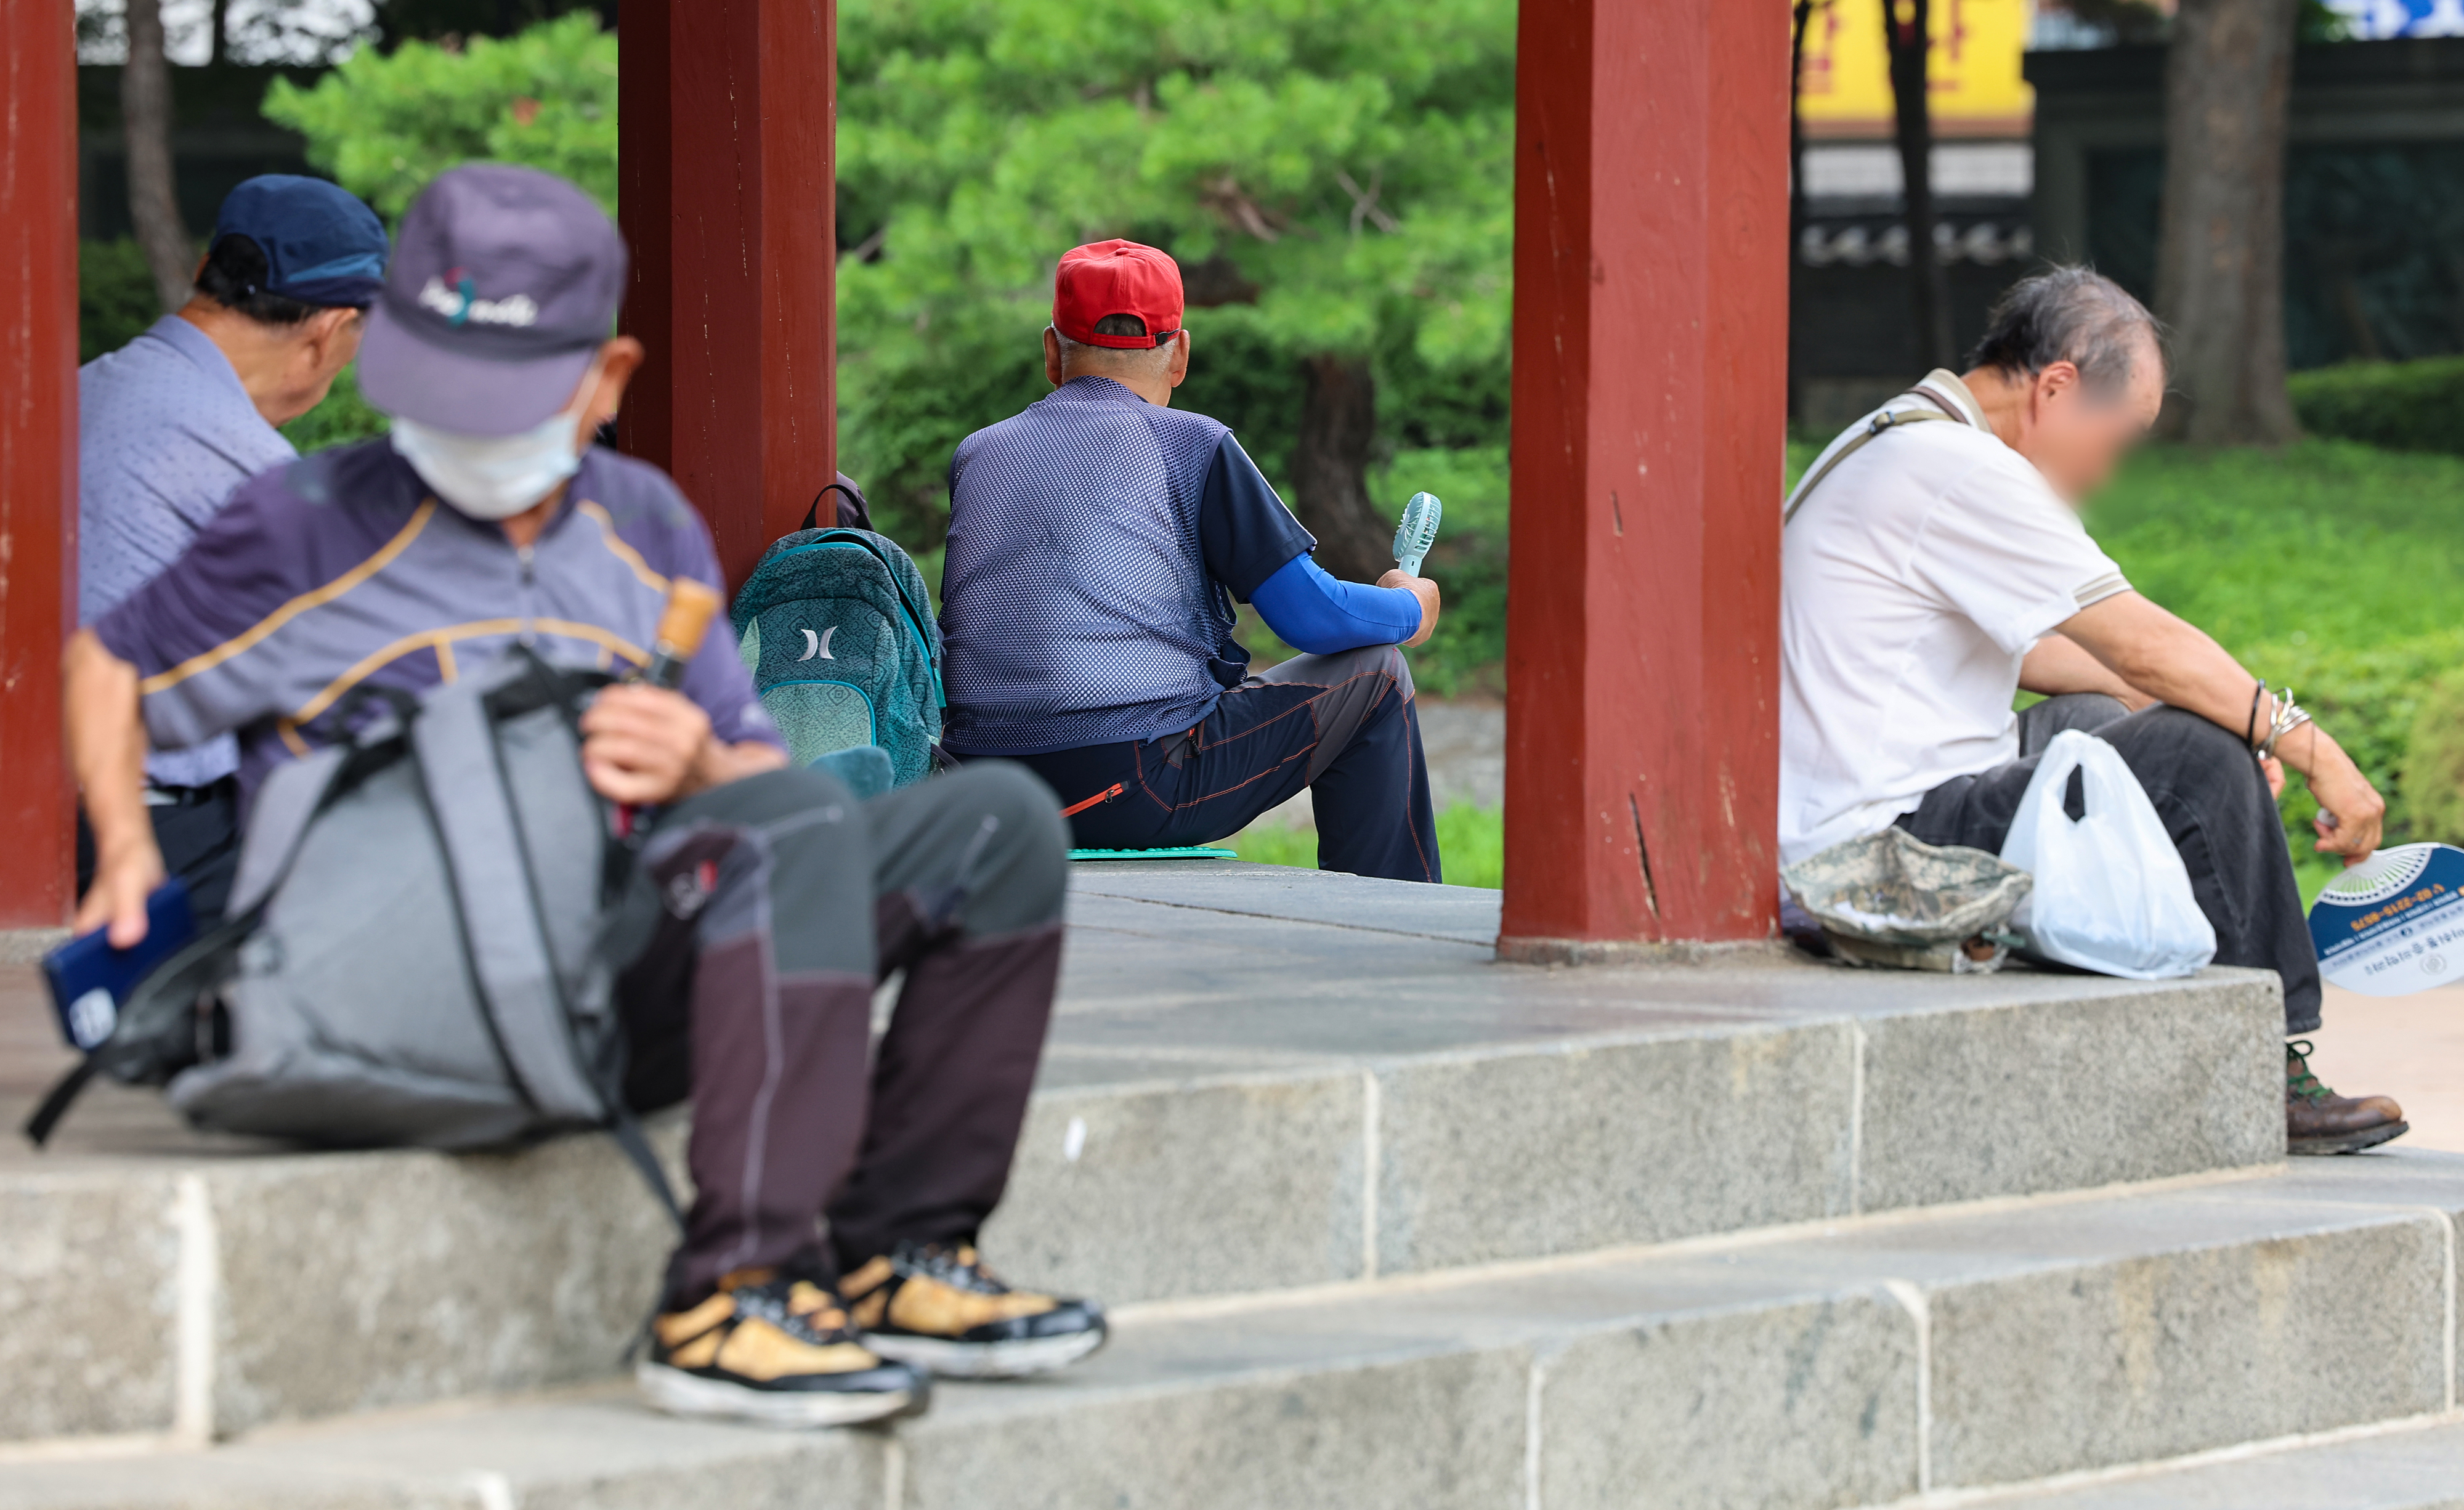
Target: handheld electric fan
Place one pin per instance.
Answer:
(1417, 531)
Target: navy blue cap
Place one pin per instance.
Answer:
(506, 286)
(321, 245)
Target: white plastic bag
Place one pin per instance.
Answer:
(2111, 895)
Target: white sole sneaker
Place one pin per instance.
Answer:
(681, 1393)
(1032, 1355)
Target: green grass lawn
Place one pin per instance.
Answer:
(1471, 839)
(2325, 542)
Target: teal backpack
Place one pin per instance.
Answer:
(838, 630)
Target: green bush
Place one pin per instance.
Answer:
(2371, 698)
(343, 417)
(116, 298)
(2401, 405)
(2434, 762)
(385, 123)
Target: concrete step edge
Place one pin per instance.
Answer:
(2414, 1463)
(423, 1276)
(1907, 1365)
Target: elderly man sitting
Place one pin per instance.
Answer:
(1929, 575)
(1096, 543)
(171, 423)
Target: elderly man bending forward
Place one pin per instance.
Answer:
(1931, 574)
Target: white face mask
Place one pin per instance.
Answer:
(498, 477)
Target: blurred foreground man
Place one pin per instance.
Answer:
(170, 423)
(1931, 572)
(1097, 543)
(765, 903)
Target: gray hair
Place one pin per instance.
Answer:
(2069, 314)
(1141, 360)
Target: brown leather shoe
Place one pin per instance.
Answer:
(2318, 1120)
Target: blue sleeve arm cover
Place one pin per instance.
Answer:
(1313, 613)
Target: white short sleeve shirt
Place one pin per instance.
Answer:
(1912, 582)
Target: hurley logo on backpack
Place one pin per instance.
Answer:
(838, 630)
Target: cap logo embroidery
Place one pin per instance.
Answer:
(462, 307)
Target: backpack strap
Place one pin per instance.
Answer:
(627, 1129)
(502, 929)
(854, 501)
(58, 1100)
(278, 820)
(1887, 419)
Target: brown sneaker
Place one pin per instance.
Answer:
(2318, 1120)
(939, 1308)
(776, 1351)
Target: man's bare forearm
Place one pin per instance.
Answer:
(106, 737)
(2167, 658)
(2058, 666)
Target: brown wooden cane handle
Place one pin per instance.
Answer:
(685, 619)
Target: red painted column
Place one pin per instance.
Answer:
(1650, 413)
(39, 360)
(726, 112)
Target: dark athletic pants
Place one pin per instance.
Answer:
(1343, 725)
(770, 908)
(2211, 793)
(198, 832)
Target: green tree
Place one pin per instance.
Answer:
(385, 124)
(1334, 175)
(436, 20)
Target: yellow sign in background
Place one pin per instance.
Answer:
(1973, 68)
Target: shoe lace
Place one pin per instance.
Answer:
(2298, 1078)
(961, 1268)
(796, 1305)
(816, 1307)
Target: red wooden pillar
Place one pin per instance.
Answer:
(1650, 400)
(39, 360)
(727, 111)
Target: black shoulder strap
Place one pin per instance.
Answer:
(854, 494)
(627, 1129)
(56, 1101)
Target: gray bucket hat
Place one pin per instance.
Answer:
(505, 283)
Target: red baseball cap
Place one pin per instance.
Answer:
(1117, 278)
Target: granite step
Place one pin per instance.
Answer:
(1912, 1357)
(2411, 1467)
(1259, 1081)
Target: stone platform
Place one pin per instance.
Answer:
(1384, 1221)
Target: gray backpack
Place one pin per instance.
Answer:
(412, 954)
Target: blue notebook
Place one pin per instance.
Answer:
(90, 979)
